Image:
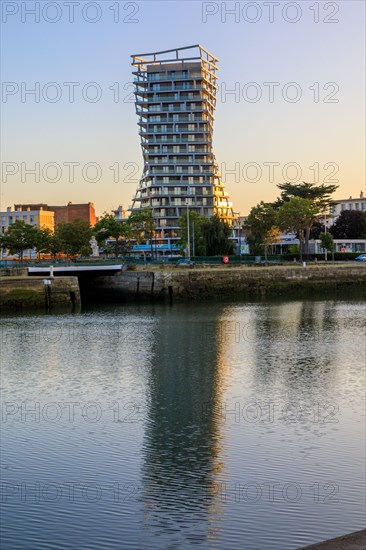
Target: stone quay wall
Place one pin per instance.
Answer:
(18, 293)
(199, 283)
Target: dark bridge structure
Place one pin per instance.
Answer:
(76, 270)
(87, 275)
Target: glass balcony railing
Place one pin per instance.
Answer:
(180, 161)
(149, 139)
(149, 129)
(168, 119)
(182, 172)
(191, 86)
(176, 110)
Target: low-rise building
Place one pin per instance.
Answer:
(338, 206)
(38, 217)
(65, 214)
(340, 245)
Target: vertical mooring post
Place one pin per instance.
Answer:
(47, 289)
(137, 288)
(152, 285)
(170, 292)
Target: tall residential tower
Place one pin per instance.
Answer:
(175, 94)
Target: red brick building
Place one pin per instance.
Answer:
(66, 214)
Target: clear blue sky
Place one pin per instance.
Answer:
(305, 132)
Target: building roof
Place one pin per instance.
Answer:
(199, 52)
(350, 199)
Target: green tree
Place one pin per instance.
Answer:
(142, 226)
(293, 249)
(19, 237)
(43, 240)
(216, 233)
(74, 237)
(320, 197)
(108, 227)
(316, 229)
(197, 242)
(262, 218)
(326, 241)
(351, 224)
(271, 237)
(47, 241)
(297, 214)
(55, 245)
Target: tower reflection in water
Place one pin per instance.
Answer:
(183, 448)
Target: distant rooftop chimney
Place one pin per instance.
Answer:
(361, 195)
(8, 209)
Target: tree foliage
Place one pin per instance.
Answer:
(216, 233)
(197, 241)
(316, 229)
(262, 219)
(142, 225)
(319, 195)
(108, 227)
(327, 242)
(139, 228)
(271, 237)
(351, 224)
(74, 237)
(19, 237)
(297, 214)
(42, 239)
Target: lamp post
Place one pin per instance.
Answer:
(188, 232)
(239, 235)
(325, 230)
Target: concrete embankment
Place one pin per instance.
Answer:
(24, 292)
(353, 541)
(199, 283)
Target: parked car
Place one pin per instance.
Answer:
(185, 263)
(361, 258)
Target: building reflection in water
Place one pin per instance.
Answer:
(295, 351)
(183, 471)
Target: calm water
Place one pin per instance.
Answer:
(205, 425)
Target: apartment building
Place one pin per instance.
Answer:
(175, 94)
(66, 213)
(32, 216)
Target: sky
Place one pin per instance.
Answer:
(290, 102)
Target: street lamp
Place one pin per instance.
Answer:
(239, 236)
(188, 233)
(325, 230)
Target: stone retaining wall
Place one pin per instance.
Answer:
(32, 293)
(220, 282)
